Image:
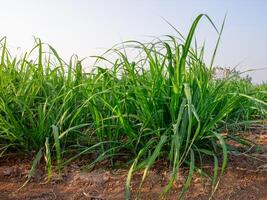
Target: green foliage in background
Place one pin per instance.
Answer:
(162, 104)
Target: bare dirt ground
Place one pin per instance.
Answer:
(245, 178)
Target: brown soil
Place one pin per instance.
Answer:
(245, 178)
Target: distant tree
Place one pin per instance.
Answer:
(223, 72)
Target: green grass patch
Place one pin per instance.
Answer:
(162, 104)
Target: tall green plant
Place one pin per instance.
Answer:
(162, 104)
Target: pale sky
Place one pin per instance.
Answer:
(89, 27)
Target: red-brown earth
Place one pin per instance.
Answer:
(245, 178)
